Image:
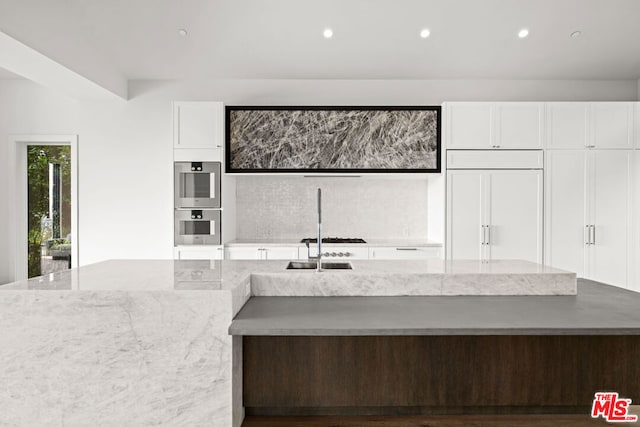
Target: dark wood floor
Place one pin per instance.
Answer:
(430, 421)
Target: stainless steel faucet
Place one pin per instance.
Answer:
(319, 267)
(319, 257)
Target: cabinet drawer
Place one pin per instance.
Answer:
(198, 252)
(405, 252)
(494, 159)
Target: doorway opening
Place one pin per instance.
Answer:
(49, 234)
(45, 220)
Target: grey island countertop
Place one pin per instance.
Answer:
(597, 309)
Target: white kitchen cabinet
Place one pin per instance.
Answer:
(612, 125)
(519, 125)
(589, 212)
(610, 216)
(198, 252)
(465, 214)
(261, 252)
(635, 254)
(199, 125)
(494, 214)
(514, 215)
(568, 125)
(578, 125)
(469, 125)
(242, 252)
(280, 252)
(405, 252)
(484, 125)
(565, 209)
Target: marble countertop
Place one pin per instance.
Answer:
(138, 341)
(368, 277)
(369, 242)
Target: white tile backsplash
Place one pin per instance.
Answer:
(277, 207)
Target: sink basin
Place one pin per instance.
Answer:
(311, 265)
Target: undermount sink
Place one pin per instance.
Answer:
(311, 265)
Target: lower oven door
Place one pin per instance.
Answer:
(197, 227)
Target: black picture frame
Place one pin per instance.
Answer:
(228, 161)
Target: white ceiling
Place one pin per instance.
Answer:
(373, 39)
(7, 75)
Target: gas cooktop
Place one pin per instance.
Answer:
(333, 240)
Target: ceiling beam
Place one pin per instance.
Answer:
(25, 61)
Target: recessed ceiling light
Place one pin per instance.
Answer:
(425, 33)
(182, 32)
(327, 33)
(576, 34)
(523, 33)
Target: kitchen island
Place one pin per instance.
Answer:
(145, 342)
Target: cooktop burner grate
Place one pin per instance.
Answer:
(334, 240)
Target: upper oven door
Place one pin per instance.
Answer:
(197, 184)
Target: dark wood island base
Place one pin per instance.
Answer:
(435, 375)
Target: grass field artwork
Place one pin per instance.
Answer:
(328, 139)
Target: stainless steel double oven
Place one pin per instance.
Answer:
(197, 203)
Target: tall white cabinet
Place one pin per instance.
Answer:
(590, 185)
(635, 259)
(589, 213)
(590, 182)
(198, 135)
(494, 213)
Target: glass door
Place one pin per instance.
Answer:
(49, 209)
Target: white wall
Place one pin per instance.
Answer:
(390, 92)
(26, 108)
(275, 207)
(125, 154)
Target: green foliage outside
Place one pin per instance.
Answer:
(39, 157)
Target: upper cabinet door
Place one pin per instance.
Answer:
(567, 125)
(469, 125)
(518, 125)
(198, 125)
(486, 125)
(611, 125)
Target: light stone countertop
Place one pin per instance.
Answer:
(145, 342)
(263, 278)
(369, 242)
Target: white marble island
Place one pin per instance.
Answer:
(147, 342)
